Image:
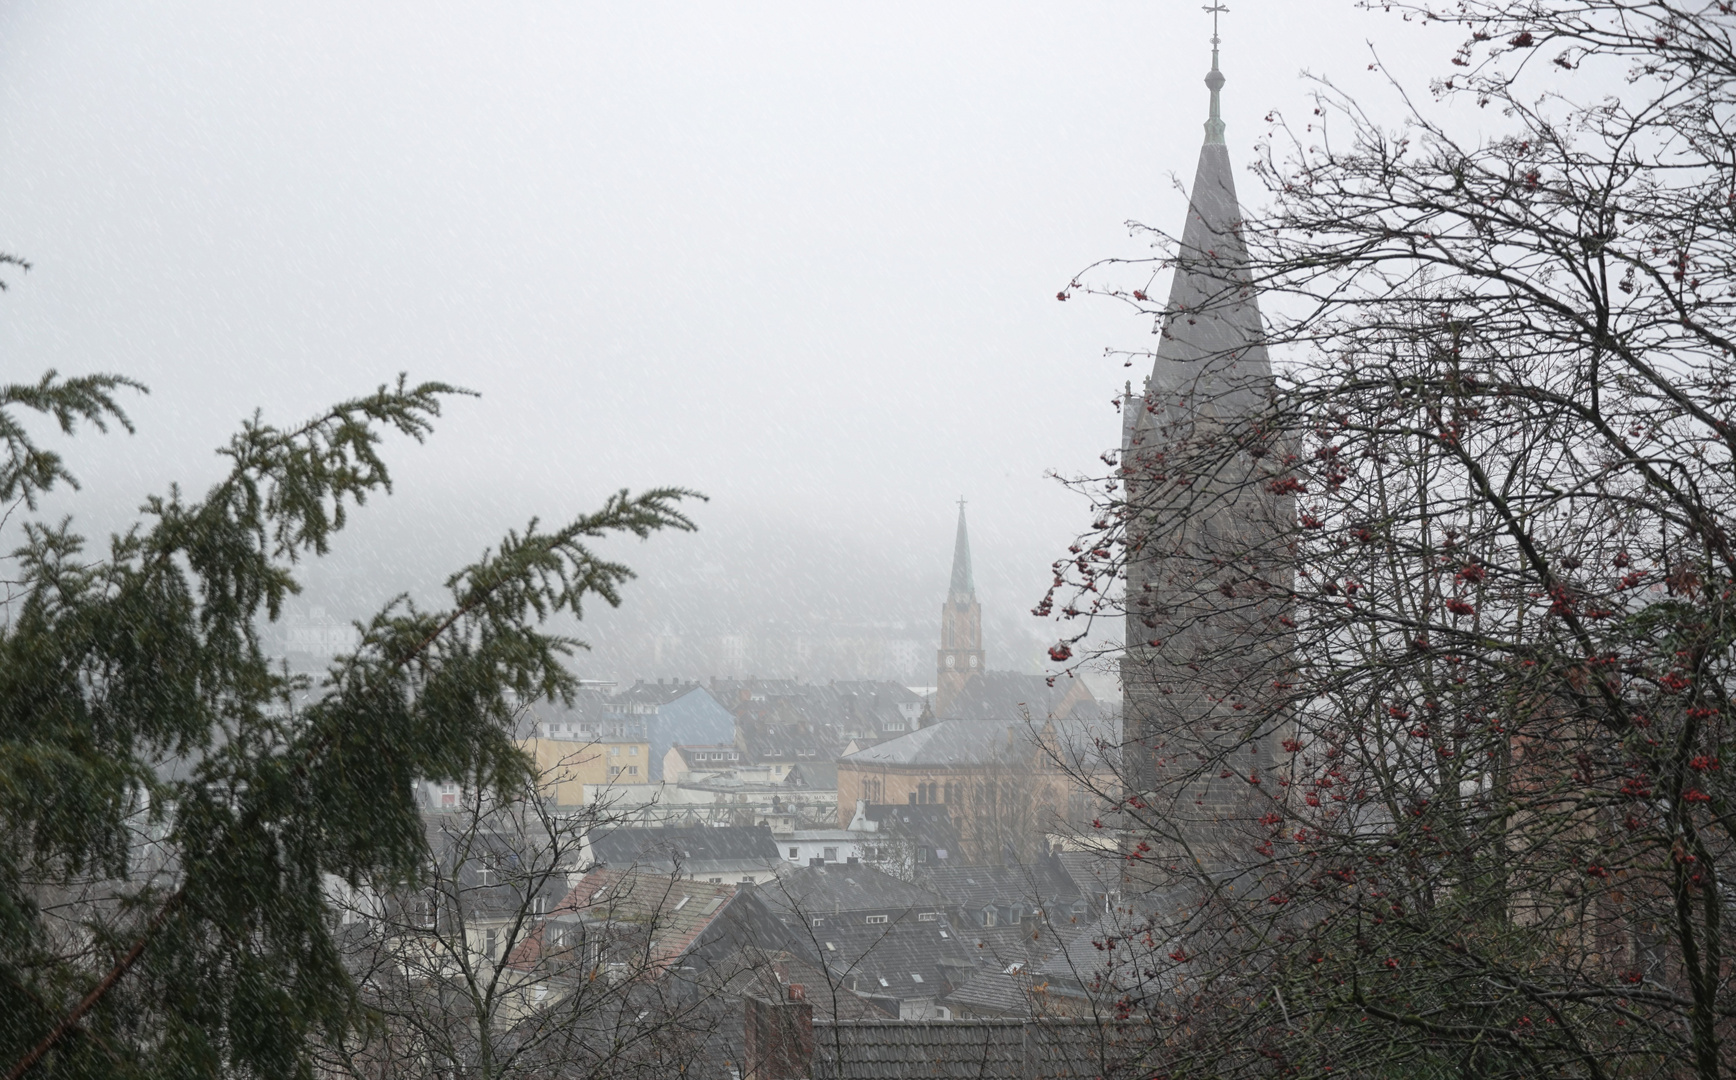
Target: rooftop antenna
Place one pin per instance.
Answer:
(1215, 78)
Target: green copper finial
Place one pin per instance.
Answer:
(1215, 79)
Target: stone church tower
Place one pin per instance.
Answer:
(960, 657)
(1207, 528)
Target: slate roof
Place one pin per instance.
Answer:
(628, 904)
(955, 743)
(982, 1050)
(1012, 695)
(1118, 952)
(813, 776)
(836, 889)
(996, 948)
(709, 757)
(1042, 884)
(1095, 874)
(995, 992)
(901, 959)
(695, 849)
(768, 975)
(781, 719)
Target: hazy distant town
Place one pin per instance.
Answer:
(823, 542)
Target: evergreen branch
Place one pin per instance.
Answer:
(29, 470)
(115, 974)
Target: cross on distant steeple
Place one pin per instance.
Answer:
(1215, 78)
(1216, 9)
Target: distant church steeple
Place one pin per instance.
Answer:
(961, 629)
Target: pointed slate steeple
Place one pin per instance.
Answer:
(963, 585)
(1211, 351)
(960, 657)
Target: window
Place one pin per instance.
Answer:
(632, 751)
(817, 922)
(614, 770)
(928, 916)
(831, 854)
(539, 905)
(794, 854)
(921, 854)
(717, 881)
(914, 977)
(614, 751)
(485, 877)
(493, 938)
(875, 920)
(989, 918)
(632, 770)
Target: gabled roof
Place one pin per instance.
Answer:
(1094, 873)
(1014, 696)
(1041, 884)
(768, 975)
(669, 913)
(693, 849)
(1121, 952)
(902, 959)
(953, 743)
(843, 888)
(1001, 991)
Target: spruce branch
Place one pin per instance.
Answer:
(29, 470)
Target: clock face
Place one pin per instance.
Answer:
(952, 661)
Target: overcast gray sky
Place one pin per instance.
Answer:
(801, 256)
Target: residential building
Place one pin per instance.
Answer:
(673, 712)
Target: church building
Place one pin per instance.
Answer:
(1207, 531)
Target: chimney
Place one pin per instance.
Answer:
(816, 861)
(779, 1037)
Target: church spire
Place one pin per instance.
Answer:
(1211, 348)
(960, 657)
(1215, 82)
(963, 584)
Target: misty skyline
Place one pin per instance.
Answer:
(801, 259)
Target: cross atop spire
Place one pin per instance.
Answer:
(1215, 78)
(1215, 8)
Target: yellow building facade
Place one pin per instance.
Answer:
(567, 765)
